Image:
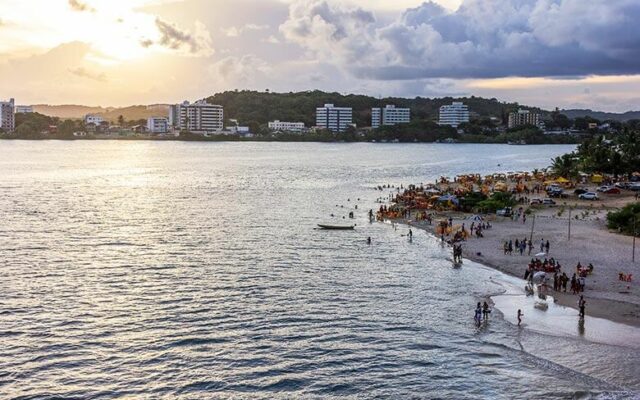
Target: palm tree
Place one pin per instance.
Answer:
(565, 165)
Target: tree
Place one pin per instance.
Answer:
(121, 120)
(565, 165)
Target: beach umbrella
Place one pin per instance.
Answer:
(539, 277)
(541, 254)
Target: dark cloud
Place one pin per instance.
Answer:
(84, 73)
(482, 39)
(77, 5)
(174, 38)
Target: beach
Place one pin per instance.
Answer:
(590, 242)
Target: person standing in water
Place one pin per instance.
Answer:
(581, 304)
(369, 240)
(478, 314)
(520, 315)
(410, 234)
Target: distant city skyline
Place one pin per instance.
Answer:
(545, 53)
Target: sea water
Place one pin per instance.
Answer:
(194, 270)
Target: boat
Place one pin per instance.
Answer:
(336, 227)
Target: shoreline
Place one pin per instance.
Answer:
(601, 304)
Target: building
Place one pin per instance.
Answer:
(390, 115)
(523, 117)
(93, 119)
(454, 114)
(24, 109)
(282, 126)
(335, 119)
(7, 115)
(157, 125)
(199, 117)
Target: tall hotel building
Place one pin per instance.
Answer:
(335, 119)
(390, 115)
(7, 115)
(199, 117)
(523, 117)
(454, 114)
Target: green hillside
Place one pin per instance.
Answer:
(251, 107)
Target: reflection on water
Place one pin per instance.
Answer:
(190, 270)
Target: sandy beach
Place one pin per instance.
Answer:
(590, 242)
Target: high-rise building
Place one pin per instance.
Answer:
(157, 125)
(454, 114)
(7, 115)
(199, 117)
(523, 117)
(335, 119)
(390, 115)
(24, 109)
(283, 126)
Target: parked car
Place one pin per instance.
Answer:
(548, 202)
(635, 187)
(612, 190)
(558, 194)
(504, 212)
(603, 188)
(622, 185)
(535, 201)
(588, 196)
(580, 191)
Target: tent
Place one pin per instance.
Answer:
(448, 197)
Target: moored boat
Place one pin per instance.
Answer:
(336, 227)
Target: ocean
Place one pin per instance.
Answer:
(194, 270)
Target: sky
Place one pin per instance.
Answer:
(547, 53)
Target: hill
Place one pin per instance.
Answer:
(600, 115)
(71, 111)
(251, 107)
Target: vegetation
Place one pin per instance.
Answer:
(497, 201)
(619, 156)
(625, 219)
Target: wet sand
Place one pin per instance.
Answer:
(591, 242)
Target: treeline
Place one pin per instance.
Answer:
(255, 108)
(619, 156)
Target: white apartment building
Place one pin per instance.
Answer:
(24, 109)
(93, 119)
(335, 119)
(157, 125)
(7, 115)
(390, 115)
(454, 114)
(199, 117)
(523, 117)
(283, 126)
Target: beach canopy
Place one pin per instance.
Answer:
(448, 197)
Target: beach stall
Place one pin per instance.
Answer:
(597, 178)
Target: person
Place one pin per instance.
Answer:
(478, 314)
(581, 304)
(370, 214)
(485, 311)
(369, 240)
(520, 315)
(410, 234)
(530, 246)
(546, 246)
(541, 245)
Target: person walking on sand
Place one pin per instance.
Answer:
(541, 245)
(520, 315)
(530, 246)
(546, 246)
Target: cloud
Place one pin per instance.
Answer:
(481, 39)
(241, 72)
(172, 37)
(77, 5)
(84, 73)
(234, 31)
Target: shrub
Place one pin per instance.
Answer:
(623, 220)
